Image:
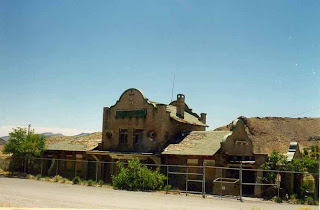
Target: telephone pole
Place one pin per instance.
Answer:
(29, 126)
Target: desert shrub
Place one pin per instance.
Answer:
(38, 177)
(76, 180)
(309, 200)
(277, 199)
(46, 178)
(90, 182)
(100, 182)
(137, 177)
(293, 196)
(294, 199)
(57, 178)
(167, 188)
(29, 176)
(64, 180)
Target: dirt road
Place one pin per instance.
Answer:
(31, 193)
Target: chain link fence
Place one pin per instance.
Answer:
(207, 180)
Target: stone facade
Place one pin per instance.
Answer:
(135, 124)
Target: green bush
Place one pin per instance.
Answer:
(294, 199)
(89, 182)
(277, 199)
(76, 180)
(309, 200)
(167, 188)
(38, 177)
(100, 182)
(137, 177)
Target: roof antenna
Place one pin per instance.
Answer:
(174, 77)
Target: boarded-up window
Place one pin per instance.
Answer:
(69, 162)
(209, 162)
(123, 137)
(79, 162)
(192, 161)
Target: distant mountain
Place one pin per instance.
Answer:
(50, 134)
(82, 134)
(2, 142)
(6, 138)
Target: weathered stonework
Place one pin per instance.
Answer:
(133, 112)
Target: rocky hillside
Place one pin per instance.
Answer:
(86, 142)
(275, 133)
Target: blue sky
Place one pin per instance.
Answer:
(61, 62)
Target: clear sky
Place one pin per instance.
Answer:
(61, 62)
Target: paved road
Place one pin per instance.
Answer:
(31, 193)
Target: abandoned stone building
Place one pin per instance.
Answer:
(170, 134)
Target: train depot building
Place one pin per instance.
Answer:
(167, 134)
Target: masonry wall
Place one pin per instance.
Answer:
(157, 121)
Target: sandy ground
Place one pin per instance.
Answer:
(16, 192)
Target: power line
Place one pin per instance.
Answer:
(311, 110)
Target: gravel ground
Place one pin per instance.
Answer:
(39, 194)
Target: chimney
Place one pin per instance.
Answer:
(203, 117)
(180, 105)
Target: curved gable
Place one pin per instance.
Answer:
(237, 143)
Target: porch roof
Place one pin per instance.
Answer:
(204, 143)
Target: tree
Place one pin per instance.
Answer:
(278, 162)
(23, 144)
(310, 163)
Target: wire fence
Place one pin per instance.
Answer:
(236, 182)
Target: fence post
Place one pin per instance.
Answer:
(167, 174)
(25, 165)
(57, 167)
(204, 180)
(278, 184)
(41, 167)
(221, 183)
(187, 180)
(240, 177)
(96, 171)
(75, 168)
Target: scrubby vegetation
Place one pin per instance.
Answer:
(57, 178)
(100, 182)
(76, 180)
(90, 182)
(308, 163)
(167, 188)
(137, 177)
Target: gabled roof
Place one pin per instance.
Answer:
(276, 133)
(74, 143)
(188, 118)
(204, 143)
